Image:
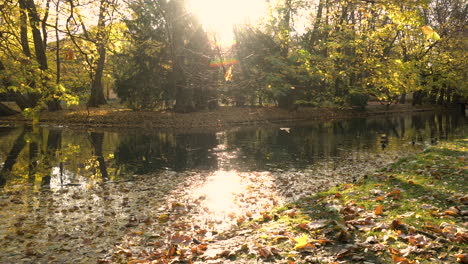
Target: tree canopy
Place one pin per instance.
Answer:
(155, 54)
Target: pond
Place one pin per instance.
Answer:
(72, 194)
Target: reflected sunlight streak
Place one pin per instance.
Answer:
(219, 193)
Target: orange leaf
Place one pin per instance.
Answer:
(303, 226)
(462, 258)
(292, 214)
(394, 251)
(378, 209)
(380, 198)
(400, 260)
(266, 217)
(395, 193)
(172, 251)
(452, 211)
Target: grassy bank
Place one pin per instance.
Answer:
(414, 211)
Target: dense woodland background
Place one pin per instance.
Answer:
(155, 55)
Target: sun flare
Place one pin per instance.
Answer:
(220, 16)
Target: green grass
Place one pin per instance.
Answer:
(418, 195)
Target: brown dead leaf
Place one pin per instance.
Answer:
(292, 214)
(394, 251)
(264, 252)
(380, 198)
(462, 258)
(172, 251)
(378, 209)
(303, 226)
(266, 217)
(395, 194)
(453, 211)
(240, 220)
(396, 223)
(401, 260)
(125, 251)
(343, 236)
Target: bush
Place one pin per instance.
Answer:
(358, 100)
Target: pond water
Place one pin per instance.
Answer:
(73, 193)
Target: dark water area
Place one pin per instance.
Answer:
(45, 156)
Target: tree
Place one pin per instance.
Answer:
(27, 76)
(166, 61)
(80, 31)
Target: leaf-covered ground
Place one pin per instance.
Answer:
(413, 211)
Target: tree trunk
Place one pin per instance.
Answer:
(440, 100)
(40, 50)
(24, 30)
(402, 98)
(97, 89)
(184, 102)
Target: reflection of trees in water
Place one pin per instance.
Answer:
(36, 155)
(97, 140)
(42, 146)
(12, 156)
(303, 145)
(149, 153)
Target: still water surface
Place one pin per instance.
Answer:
(50, 157)
(61, 186)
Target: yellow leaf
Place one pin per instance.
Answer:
(302, 242)
(430, 33)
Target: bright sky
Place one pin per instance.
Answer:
(221, 15)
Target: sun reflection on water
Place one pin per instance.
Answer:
(220, 191)
(230, 197)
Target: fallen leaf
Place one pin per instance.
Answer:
(266, 217)
(394, 251)
(302, 242)
(401, 260)
(452, 211)
(378, 209)
(265, 252)
(380, 198)
(396, 194)
(462, 258)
